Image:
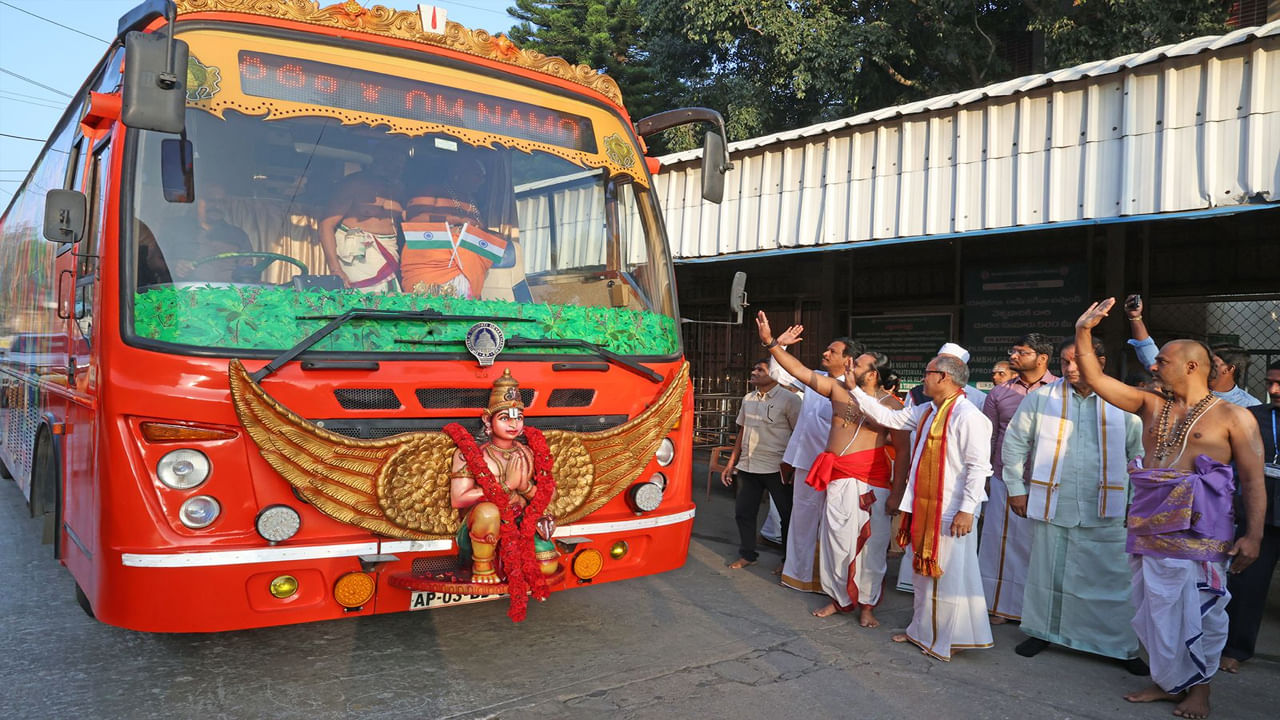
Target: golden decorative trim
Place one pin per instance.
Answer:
(407, 25)
(399, 486)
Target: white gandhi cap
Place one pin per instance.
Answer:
(954, 349)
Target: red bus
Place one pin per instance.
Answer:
(272, 251)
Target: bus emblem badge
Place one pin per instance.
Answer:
(485, 340)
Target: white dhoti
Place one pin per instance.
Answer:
(1003, 555)
(369, 260)
(854, 543)
(1078, 589)
(1180, 617)
(950, 613)
(800, 571)
(905, 573)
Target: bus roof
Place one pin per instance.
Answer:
(404, 25)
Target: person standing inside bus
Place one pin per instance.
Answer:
(448, 246)
(360, 231)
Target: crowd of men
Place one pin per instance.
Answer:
(1101, 516)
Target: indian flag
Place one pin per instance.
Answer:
(488, 246)
(427, 236)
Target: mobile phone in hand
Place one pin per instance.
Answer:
(1132, 302)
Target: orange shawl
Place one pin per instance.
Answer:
(926, 510)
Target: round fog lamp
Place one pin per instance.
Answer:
(199, 512)
(619, 550)
(277, 523)
(284, 586)
(183, 469)
(588, 563)
(666, 452)
(353, 589)
(644, 497)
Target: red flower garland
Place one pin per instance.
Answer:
(519, 557)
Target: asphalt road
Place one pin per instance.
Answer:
(702, 641)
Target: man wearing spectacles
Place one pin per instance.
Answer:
(950, 462)
(1005, 549)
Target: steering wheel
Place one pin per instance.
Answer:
(259, 267)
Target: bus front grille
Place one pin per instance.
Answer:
(375, 428)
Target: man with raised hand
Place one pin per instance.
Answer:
(1180, 530)
(800, 570)
(1077, 447)
(856, 474)
(950, 464)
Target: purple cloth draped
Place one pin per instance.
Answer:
(1179, 514)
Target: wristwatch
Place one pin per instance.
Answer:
(771, 344)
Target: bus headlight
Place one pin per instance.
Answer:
(666, 452)
(277, 523)
(183, 469)
(199, 512)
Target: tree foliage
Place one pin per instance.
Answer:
(770, 65)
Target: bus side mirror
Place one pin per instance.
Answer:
(64, 215)
(738, 294)
(714, 164)
(177, 170)
(155, 82)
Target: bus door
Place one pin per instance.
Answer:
(79, 308)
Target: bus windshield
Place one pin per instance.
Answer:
(319, 188)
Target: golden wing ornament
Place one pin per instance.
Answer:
(399, 486)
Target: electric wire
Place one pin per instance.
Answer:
(53, 22)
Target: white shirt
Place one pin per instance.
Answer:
(968, 461)
(812, 429)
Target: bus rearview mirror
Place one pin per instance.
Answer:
(64, 215)
(738, 294)
(177, 170)
(714, 166)
(154, 95)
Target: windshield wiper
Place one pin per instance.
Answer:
(337, 321)
(599, 350)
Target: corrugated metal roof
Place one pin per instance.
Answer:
(1092, 69)
(1180, 128)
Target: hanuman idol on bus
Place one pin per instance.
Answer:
(390, 314)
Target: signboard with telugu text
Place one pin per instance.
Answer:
(1003, 303)
(910, 341)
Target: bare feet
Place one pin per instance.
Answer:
(1152, 693)
(901, 637)
(741, 563)
(997, 620)
(868, 620)
(1196, 704)
(777, 572)
(1229, 664)
(826, 610)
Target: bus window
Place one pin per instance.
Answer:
(425, 221)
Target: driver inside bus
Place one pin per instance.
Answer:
(197, 261)
(360, 231)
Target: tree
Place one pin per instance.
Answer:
(601, 34)
(1088, 30)
(770, 65)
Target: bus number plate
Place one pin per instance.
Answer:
(427, 600)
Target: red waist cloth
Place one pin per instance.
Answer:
(871, 466)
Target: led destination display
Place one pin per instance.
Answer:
(316, 83)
